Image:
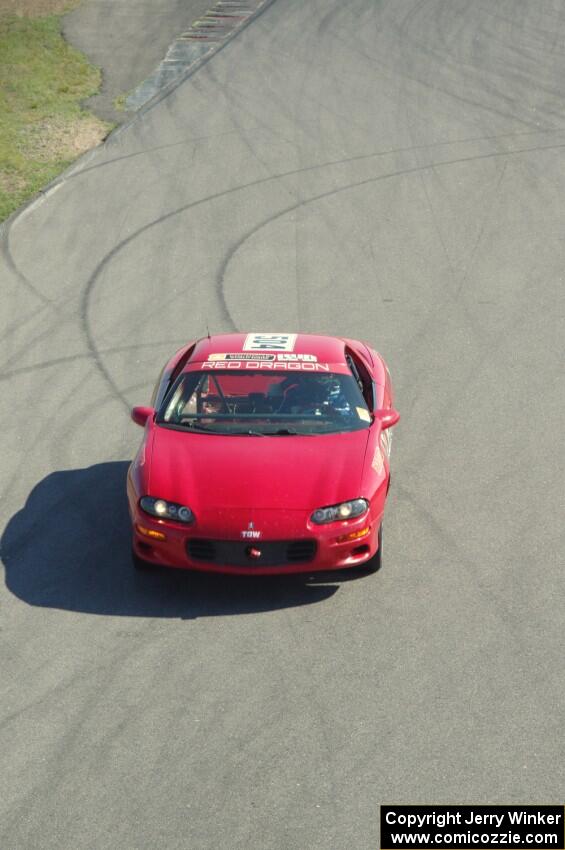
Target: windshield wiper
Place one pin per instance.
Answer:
(287, 432)
(248, 433)
(192, 426)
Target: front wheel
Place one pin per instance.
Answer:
(374, 564)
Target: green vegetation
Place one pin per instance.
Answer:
(42, 126)
(120, 102)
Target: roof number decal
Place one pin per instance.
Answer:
(269, 342)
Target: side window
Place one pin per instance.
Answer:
(362, 377)
(160, 380)
(181, 364)
(168, 377)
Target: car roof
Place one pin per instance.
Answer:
(328, 349)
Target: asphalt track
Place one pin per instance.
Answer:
(393, 171)
(127, 39)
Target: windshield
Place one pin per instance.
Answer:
(256, 403)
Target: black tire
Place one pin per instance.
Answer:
(374, 564)
(140, 564)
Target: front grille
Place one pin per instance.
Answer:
(201, 550)
(300, 550)
(235, 553)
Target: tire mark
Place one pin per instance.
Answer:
(489, 211)
(433, 86)
(6, 252)
(436, 224)
(145, 152)
(331, 193)
(16, 326)
(45, 364)
(226, 315)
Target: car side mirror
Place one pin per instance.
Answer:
(140, 415)
(387, 418)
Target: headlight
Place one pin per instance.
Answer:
(166, 510)
(345, 510)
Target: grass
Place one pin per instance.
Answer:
(42, 125)
(120, 101)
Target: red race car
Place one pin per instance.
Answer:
(264, 453)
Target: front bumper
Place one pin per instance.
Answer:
(317, 548)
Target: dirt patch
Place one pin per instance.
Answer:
(11, 183)
(35, 8)
(63, 140)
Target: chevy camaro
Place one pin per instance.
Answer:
(264, 453)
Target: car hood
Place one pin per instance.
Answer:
(290, 472)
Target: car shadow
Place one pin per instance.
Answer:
(69, 548)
